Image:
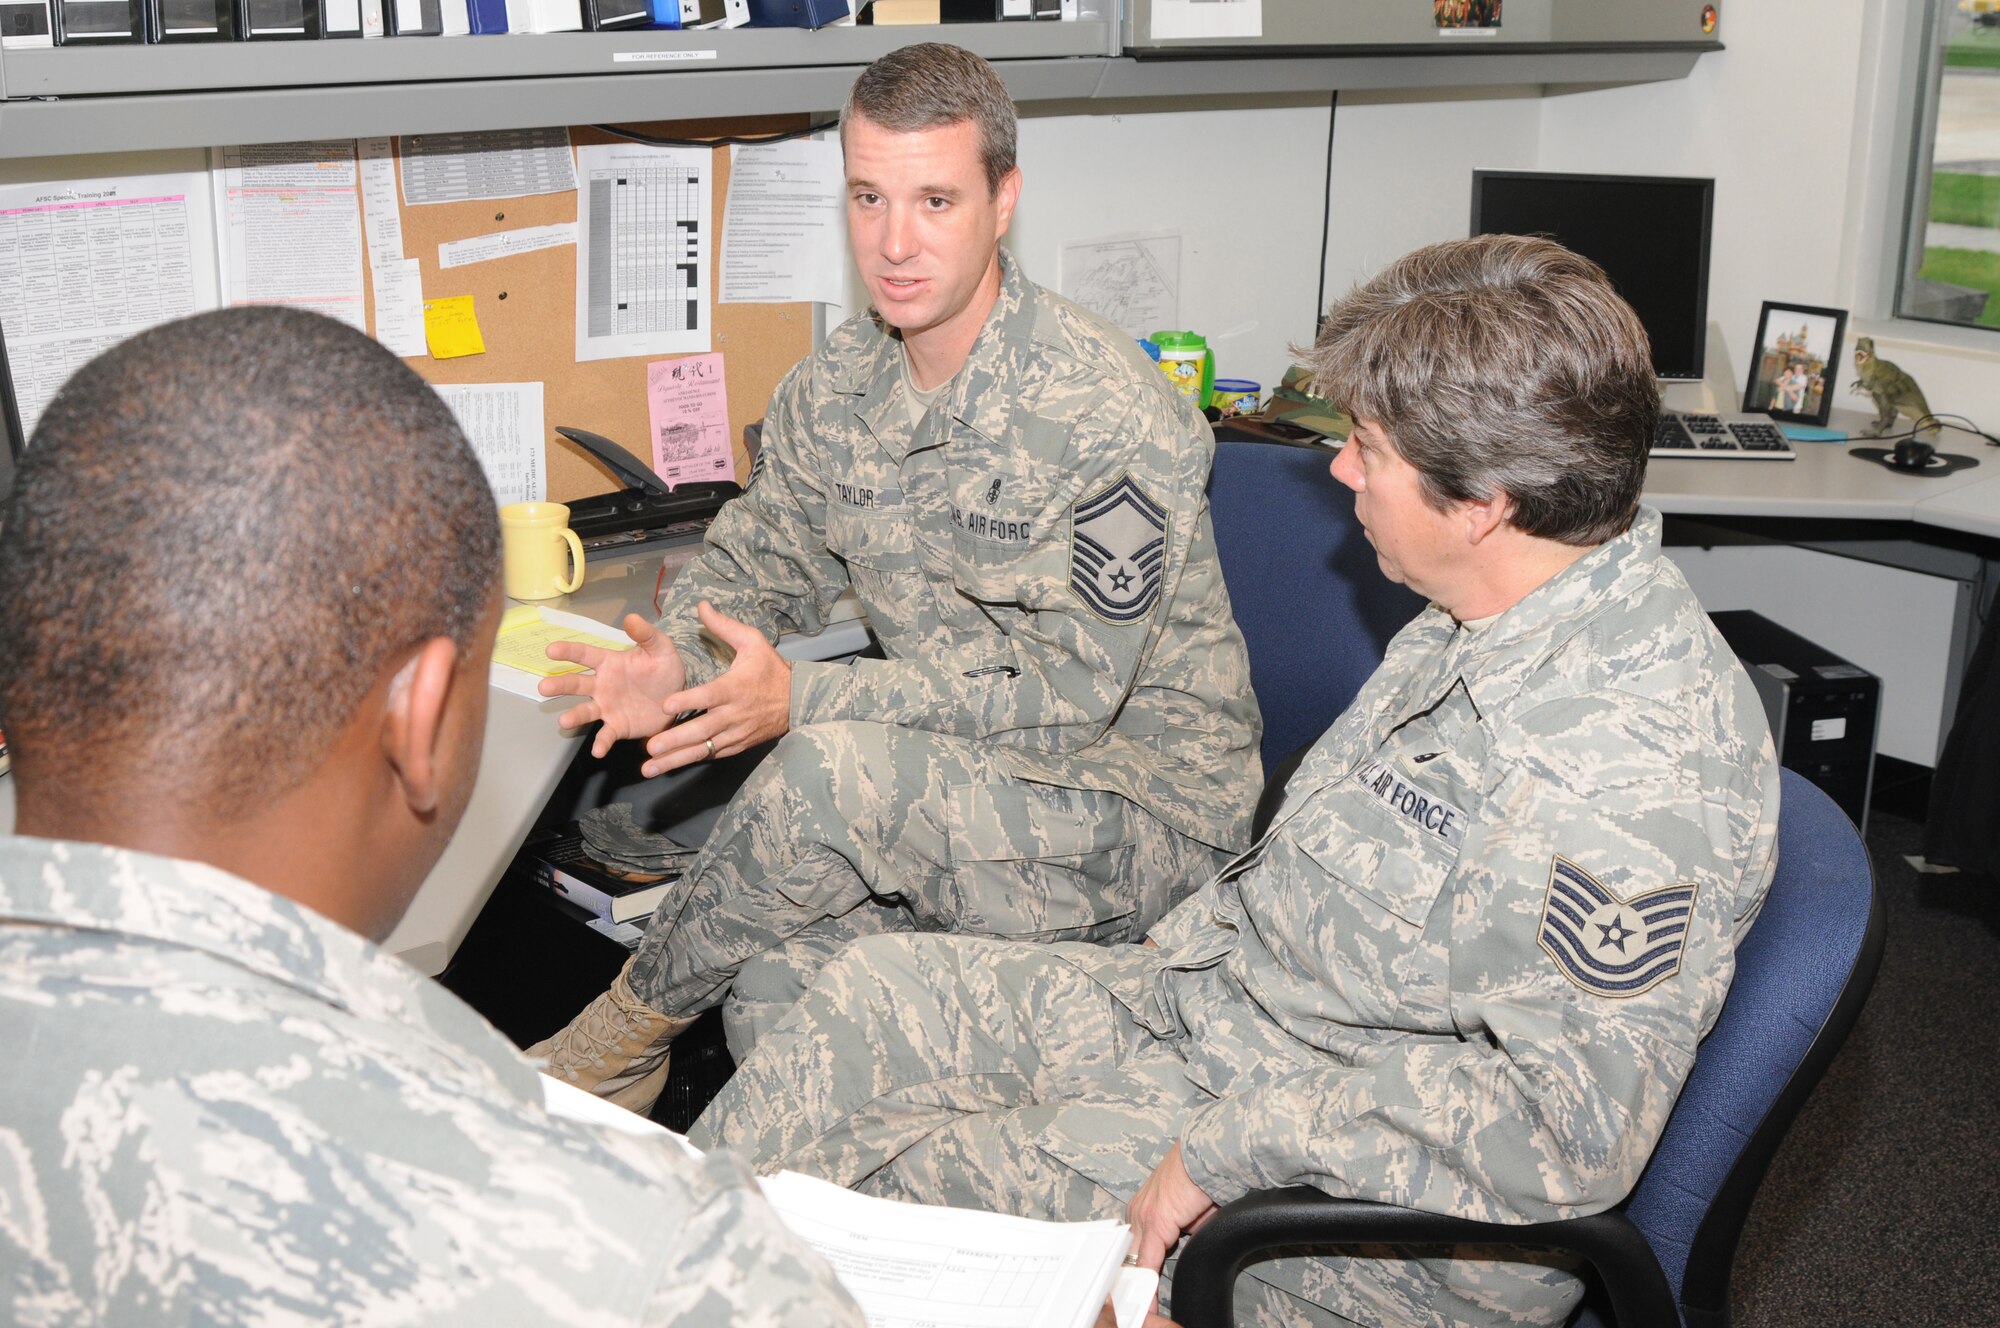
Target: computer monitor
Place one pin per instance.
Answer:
(1648, 233)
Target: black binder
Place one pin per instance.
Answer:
(277, 20)
(100, 22)
(190, 20)
(612, 15)
(412, 18)
(26, 23)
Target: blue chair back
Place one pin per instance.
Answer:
(1802, 975)
(1313, 605)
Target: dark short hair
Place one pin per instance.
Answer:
(929, 85)
(1506, 364)
(223, 530)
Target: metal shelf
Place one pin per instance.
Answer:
(70, 100)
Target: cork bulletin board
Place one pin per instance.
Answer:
(526, 308)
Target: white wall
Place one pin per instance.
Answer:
(1244, 187)
(1402, 170)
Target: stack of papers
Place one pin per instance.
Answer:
(926, 1266)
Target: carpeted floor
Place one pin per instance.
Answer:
(1883, 1206)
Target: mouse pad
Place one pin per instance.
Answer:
(1942, 463)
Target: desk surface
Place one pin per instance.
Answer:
(525, 756)
(1827, 481)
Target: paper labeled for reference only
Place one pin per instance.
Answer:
(500, 163)
(383, 219)
(399, 308)
(503, 422)
(1135, 282)
(642, 227)
(288, 227)
(451, 328)
(688, 408)
(659, 57)
(505, 244)
(86, 263)
(1207, 18)
(784, 224)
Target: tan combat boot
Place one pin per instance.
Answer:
(617, 1048)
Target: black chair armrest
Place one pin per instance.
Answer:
(1205, 1275)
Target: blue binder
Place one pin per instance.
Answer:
(487, 16)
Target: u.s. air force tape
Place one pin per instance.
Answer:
(1425, 810)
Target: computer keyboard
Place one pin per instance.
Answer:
(1749, 439)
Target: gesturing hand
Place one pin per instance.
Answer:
(751, 702)
(626, 687)
(1168, 1204)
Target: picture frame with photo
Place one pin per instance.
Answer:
(1795, 361)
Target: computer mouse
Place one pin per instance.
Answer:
(1912, 454)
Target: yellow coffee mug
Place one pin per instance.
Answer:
(532, 536)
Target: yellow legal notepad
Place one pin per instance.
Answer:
(525, 635)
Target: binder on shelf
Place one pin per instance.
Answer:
(100, 22)
(456, 17)
(544, 16)
(797, 13)
(340, 18)
(413, 18)
(714, 13)
(614, 15)
(277, 20)
(25, 24)
(487, 16)
(895, 13)
(190, 20)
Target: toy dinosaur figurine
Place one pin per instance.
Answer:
(1891, 389)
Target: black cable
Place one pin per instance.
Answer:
(1326, 204)
(1923, 423)
(658, 141)
(1944, 421)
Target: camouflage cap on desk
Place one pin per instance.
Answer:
(1292, 403)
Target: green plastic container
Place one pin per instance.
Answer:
(1185, 360)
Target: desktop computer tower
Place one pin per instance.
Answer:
(1822, 709)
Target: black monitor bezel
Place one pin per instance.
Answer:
(1707, 186)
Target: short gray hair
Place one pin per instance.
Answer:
(1502, 364)
(931, 85)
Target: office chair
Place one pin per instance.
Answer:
(1313, 605)
(1662, 1258)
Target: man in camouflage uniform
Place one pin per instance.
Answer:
(1467, 968)
(246, 708)
(1061, 741)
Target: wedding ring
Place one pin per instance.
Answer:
(711, 747)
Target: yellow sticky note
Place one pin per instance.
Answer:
(524, 639)
(451, 329)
